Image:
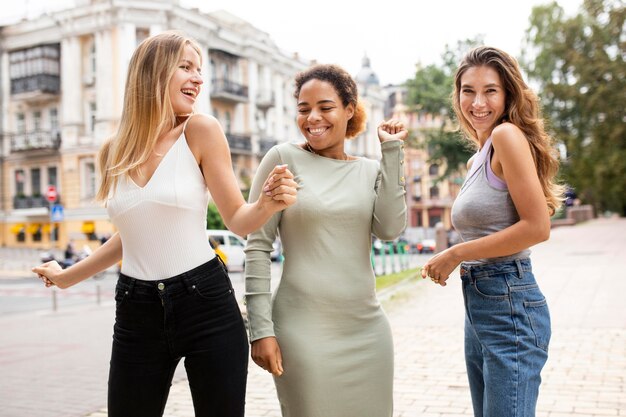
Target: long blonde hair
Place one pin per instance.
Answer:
(147, 113)
(521, 109)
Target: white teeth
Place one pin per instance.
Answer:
(483, 114)
(318, 130)
(190, 92)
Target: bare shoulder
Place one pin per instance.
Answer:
(203, 129)
(506, 132)
(507, 136)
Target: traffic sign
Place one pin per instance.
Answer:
(56, 213)
(51, 193)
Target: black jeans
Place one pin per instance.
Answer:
(192, 315)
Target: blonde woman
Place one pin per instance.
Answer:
(503, 208)
(173, 298)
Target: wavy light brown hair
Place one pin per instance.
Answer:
(521, 109)
(147, 113)
(346, 89)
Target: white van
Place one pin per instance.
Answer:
(232, 245)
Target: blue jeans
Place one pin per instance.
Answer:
(507, 331)
(193, 315)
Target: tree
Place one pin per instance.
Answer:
(213, 218)
(578, 63)
(429, 92)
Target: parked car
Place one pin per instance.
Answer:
(232, 245)
(426, 246)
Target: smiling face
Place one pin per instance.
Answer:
(482, 99)
(185, 84)
(322, 117)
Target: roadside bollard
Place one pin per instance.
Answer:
(54, 300)
(392, 260)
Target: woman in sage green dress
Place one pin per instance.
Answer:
(323, 335)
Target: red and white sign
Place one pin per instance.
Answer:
(51, 193)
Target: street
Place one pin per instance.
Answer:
(55, 364)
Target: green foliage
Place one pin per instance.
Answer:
(429, 92)
(578, 63)
(213, 218)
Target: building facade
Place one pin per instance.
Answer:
(429, 198)
(62, 81)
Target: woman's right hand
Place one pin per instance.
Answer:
(266, 354)
(279, 189)
(50, 273)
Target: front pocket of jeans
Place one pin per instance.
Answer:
(492, 288)
(212, 293)
(539, 318)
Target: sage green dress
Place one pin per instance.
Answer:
(334, 337)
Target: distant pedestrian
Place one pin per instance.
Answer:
(324, 336)
(503, 208)
(173, 297)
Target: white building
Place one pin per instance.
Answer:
(62, 81)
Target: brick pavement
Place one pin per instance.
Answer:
(579, 269)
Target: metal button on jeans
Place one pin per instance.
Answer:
(161, 286)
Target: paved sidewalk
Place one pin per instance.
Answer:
(579, 269)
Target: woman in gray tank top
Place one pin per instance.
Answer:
(503, 208)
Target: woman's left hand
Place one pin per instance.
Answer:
(280, 188)
(439, 267)
(392, 129)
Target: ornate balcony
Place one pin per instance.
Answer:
(37, 83)
(34, 201)
(240, 144)
(266, 144)
(228, 90)
(41, 139)
(265, 99)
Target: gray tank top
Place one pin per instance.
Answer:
(484, 205)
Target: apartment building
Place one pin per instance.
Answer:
(429, 199)
(62, 81)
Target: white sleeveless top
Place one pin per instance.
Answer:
(162, 225)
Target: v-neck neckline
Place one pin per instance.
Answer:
(156, 170)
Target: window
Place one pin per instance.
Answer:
(92, 117)
(88, 179)
(434, 191)
(141, 34)
(35, 181)
(37, 121)
(433, 170)
(54, 119)
(234, 241)
(227, 122)
(20, 179)
(52, 176)
(20, 125)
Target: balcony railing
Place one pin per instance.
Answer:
(35, 140)
(38, 83)
(265, 145)
(229, 90)
(239, 143)
(265, 99)
(26, 202)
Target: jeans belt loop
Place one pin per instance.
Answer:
(520, 271)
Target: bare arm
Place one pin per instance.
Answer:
(208, 143)
(514, 161)
(103, 257)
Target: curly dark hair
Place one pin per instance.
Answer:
(346, 89)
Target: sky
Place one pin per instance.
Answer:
(396, 35)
